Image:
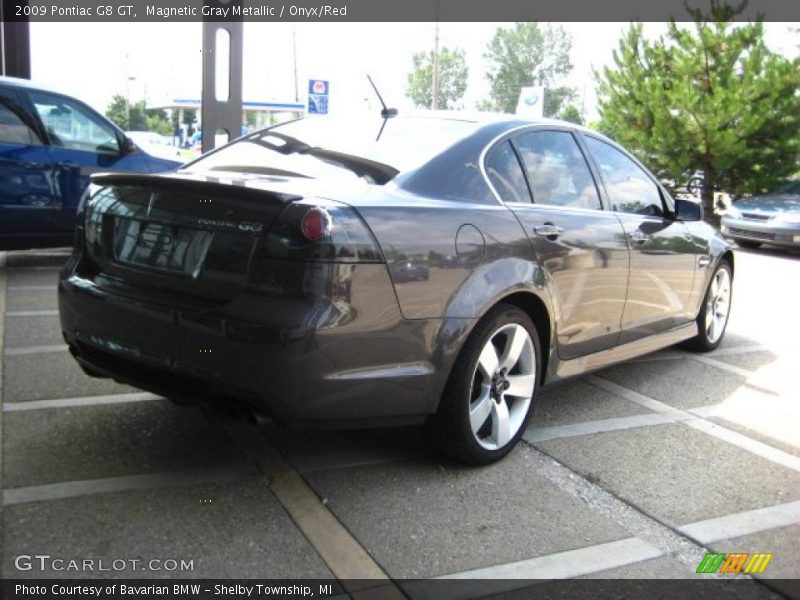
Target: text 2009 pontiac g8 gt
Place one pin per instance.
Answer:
(426, 267)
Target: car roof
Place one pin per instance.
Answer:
(498, 121)
(27, 84)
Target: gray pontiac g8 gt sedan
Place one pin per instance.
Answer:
(274, 273)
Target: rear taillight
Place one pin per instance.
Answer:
(316, 224)
(80, 214)
(316, 229)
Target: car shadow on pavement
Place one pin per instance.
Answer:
(774, 251)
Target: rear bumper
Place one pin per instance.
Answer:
(343, 354)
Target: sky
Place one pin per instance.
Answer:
(161, 61)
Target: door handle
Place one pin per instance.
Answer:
(638, 237)
(548, 230)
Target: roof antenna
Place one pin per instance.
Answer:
(386, 113)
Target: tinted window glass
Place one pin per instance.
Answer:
(506, 174)
(630, 188)
(70, 125)
(557, 170)
(13, 129)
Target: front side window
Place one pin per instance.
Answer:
(557, 171)
(506, 174)
(13, 126)
(72, 126)
(630, 188)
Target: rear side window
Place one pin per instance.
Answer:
(630, 188)
(506, 174)
(13, 128)
(557, 170)
(70, 125)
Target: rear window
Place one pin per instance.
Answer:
(324, 147)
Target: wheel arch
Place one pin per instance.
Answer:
(727, 256)
(537, 310)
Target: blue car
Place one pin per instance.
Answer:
(49, 146)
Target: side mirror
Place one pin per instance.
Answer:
(686, 210)
(128, 146)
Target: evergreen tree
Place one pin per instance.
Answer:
(709, 97)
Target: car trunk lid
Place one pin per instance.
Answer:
(184, 236)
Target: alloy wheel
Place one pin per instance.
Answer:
(502, 386)
(718, 305)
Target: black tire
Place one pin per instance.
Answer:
(703, 342)
(449, 430)
(748, 244)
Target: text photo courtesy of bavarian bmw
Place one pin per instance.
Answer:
(274, 273)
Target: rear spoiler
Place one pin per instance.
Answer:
(206, 184)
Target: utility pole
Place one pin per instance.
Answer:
(583, 102)
(435, 83)
(128, 99)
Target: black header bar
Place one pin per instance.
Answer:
(380, 10)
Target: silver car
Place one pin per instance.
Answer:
(768, 219)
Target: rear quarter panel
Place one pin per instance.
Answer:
(475, 254)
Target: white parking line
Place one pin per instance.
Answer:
(687, 418)
(572, 563)
(745, 373)
(31, 288)
(542, 434)
(32, 313)
(732, 351)
(35, 268)
(81, 401)
(744, 523)
(736, 350)
(779, 457)
(71, 489)
(593, 559)
(24, 350)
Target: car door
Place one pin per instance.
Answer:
(664, 254)
(81, 143)
(27, 201)
(543, 176)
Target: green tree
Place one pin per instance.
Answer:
(117, 111)
(452, 79)
(135, 117)
(138, 119)
(555, 99)
(708, 97)
(157, 120)
(189, 116)
(525, 55)
(571, 113)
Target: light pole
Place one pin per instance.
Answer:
(435, 83)
(128, 98)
